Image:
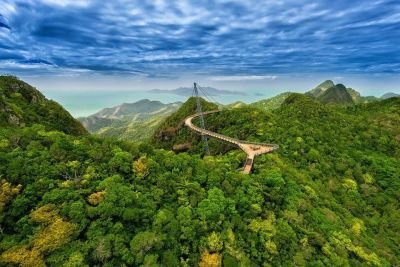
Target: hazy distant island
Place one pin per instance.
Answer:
(187, 91)
(389, 95)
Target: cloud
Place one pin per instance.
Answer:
(3, 25)
(3, 21)
(243, 78)
(225, 40)
(7, 9)
(23, 65)
(35, 61)
(64, 3)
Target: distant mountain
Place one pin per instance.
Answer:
(129, 120)
(338, 96)
(358, 98)
(271, 103)
(326, 92)
(355, 95)
(187, 91)
(321, 88)
(368, 99)
(23, 105)
(237, 104)
(140, 109)
(390, 95)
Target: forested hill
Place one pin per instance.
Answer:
(129, 121)
(337, 94)
(172, 134)
(271, 103)
(22, 105)
(346, 158)
(327, 197)
(329, 92)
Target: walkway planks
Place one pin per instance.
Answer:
(251, 149)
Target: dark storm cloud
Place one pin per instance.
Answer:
(3, 25)
(209, 37)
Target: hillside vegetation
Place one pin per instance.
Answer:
(22, 105)
(271, 103)
(129, 121)
(326, 92)
(172, 134)
(329, 92)
(140, 120)
(327, 197)
(337, 94)
(349, 156)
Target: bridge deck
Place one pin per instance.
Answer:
(251, 149)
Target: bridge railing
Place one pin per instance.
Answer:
(240, 143)
(198, 114)
(274, 146)
(217, 135)
(223, 137)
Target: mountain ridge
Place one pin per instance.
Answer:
(272, 102)
(389, 95)
(327, 197)
(23, 105)
(141, 106)
(129, 120)
(187, 91)
(321, 88)
(338, 96)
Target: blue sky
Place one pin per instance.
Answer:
(81, 44)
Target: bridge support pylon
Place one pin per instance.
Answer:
(200, 111)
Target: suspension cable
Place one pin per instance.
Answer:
(210, 98)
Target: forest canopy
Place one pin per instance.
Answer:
(328, 197)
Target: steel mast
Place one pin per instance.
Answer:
(199, 110)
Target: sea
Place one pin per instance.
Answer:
(82, 104)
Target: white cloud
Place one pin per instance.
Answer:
(63, 3)
(7, 9)
(15, 65)
(243, 78)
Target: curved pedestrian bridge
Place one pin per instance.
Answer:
(251, 149)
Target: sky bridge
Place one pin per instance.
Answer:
(251, 149)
